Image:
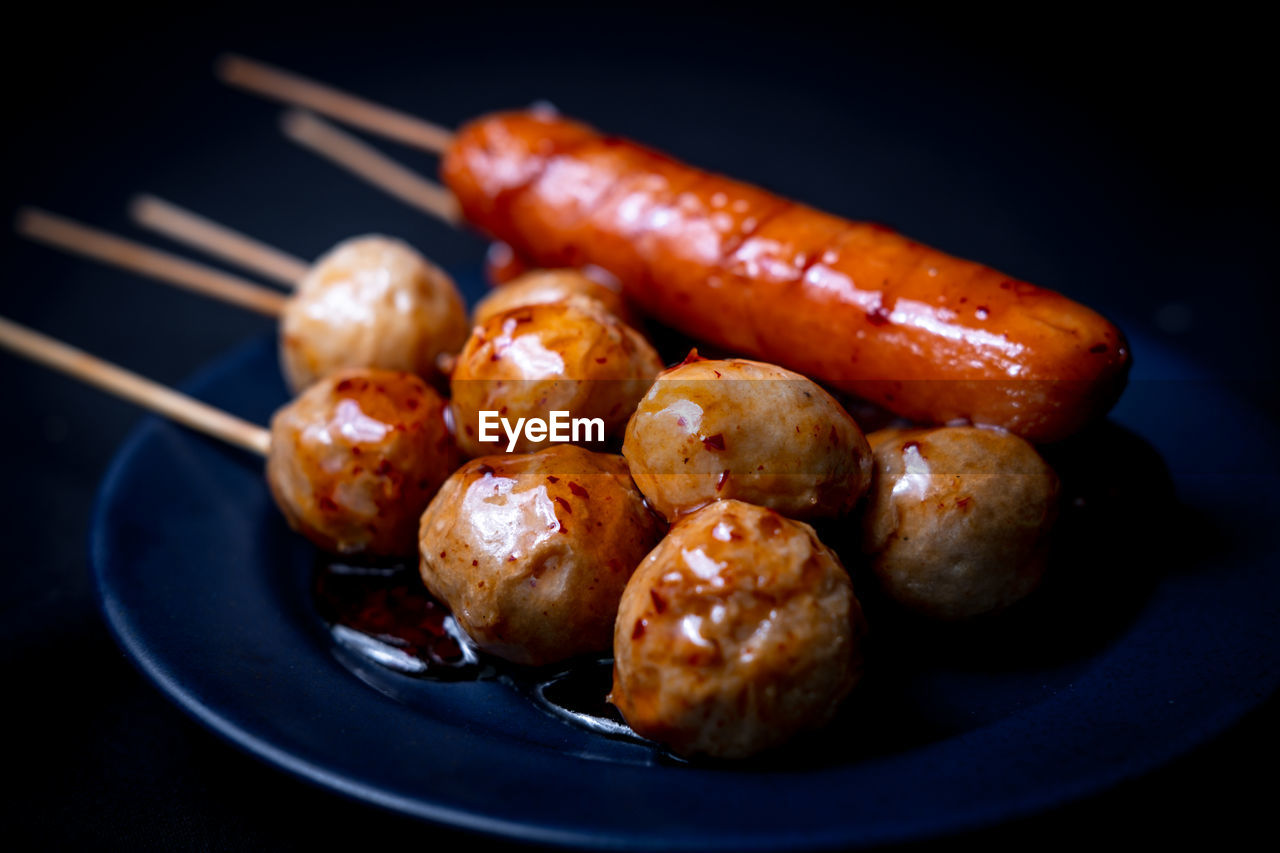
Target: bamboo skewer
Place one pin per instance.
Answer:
(134, 388)
(80, 239)
(371, 165)
(218, 240)
(298, 91)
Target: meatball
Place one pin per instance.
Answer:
(542, 286)
(958, 520)
(531, 552)
(527, 362)
(355, 459)
(715, 429)
(370, 302)
(738, 631)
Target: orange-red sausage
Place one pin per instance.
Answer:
(932, 337)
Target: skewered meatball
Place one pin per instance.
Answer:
(543, 286)
(356, 458)
(370, 302)
(715, 429)
(958, 520)
(738, 631)
(527, 362)
(531, 552)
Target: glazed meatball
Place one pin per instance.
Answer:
(543, 286)
(958, 520)
(529, 361)
(370, 302)
(531, 552)
(715, 429)
(738, 631)
(355, 459)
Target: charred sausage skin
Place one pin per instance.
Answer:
(927, 335)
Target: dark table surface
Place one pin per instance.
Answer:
(1125, 162)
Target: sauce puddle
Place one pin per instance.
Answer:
(383, 613)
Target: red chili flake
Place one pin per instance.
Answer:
(1098, 348)
(511, 559)
(551, 479)
(344, 385)
(384, 468)
(692, 357)
(714, 442)
(563, 529)
(878, 317)
(602, 359)
(412, 403)
(476, 563)
(638, 631)
(355, 451)
(723, 478)
(716, 372)
(911, 445)
(484, 470)
(564, 503)
(681, 422)
(442, 553)
(578, 490)
(835, 437)
(961, 503)
(659, 603)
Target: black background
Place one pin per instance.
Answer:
(1125, 161)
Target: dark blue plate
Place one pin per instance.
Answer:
(1156, 634)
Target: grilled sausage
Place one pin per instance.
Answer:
(927, 335)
